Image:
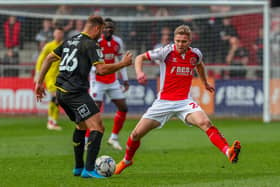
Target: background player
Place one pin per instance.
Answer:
(177, 64)
(112, 47)
(53, 109)
(77, 55)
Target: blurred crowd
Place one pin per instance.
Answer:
(235, 41)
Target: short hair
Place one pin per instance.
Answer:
(59, 28)
(95, 20)
(183, 30)
(108, 20)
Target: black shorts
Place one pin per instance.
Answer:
(78, 106)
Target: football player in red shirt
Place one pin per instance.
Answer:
(177, 64)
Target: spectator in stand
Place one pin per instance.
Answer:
(238, 56)
(45, 34)
(210, 37)
(12, 33)
(79, 25)
(227, 33)
(66, 24)
(161, 11)
(138, 35)
(210, 34)
(98, 11)
(258, 47)
(165, 37)
(11, 57)
(275, 43)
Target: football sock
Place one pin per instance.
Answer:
(51, 108)
(118, 121)
(114, 136)
(87, 133)
(55, 113)
(217, 139)
(86, 136)
(131, 148)
(93, 147)
(79, 144)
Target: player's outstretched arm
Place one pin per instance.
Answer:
(104, 69)
(140, 75)
(202, 74)
(39, 88)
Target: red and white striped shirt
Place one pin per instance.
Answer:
(111, 50)
(176, 71)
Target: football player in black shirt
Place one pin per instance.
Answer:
(76, 56)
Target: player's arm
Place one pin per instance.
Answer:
(123, 73)
(105, 69)
(202, 74)
(39, 88)
(140, 75)
(39, 62)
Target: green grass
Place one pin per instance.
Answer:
(176, 155)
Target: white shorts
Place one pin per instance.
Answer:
(163, 110)
(113, 90)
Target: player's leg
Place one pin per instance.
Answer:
(99, 104)
(96, 91)
(96, 128)
(117, 96)
(79, 144)
(133, 142)
(78, 134)
(53, 108)
(201, 120)
(53, 113)
(119, 120)
(89, 117)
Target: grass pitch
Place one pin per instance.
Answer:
(175, 156)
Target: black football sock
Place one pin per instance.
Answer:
(79, 146)
(93, 146)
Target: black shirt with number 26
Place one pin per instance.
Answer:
(77, 54)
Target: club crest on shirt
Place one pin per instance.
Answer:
(174, 60)
(116, 48)
(193, 61)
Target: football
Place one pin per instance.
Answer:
(105, 166)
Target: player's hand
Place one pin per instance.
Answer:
(39, 92)
(127, 58)
(141, 78)
(125, 85)
(209, 87)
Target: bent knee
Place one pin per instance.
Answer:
(135, 136)
(204, 124)
(123, 108)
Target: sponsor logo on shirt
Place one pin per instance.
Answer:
(178, 70)
(83, 110)
(109, 56)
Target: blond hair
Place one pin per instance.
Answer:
(95, 20)
(183, 30)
